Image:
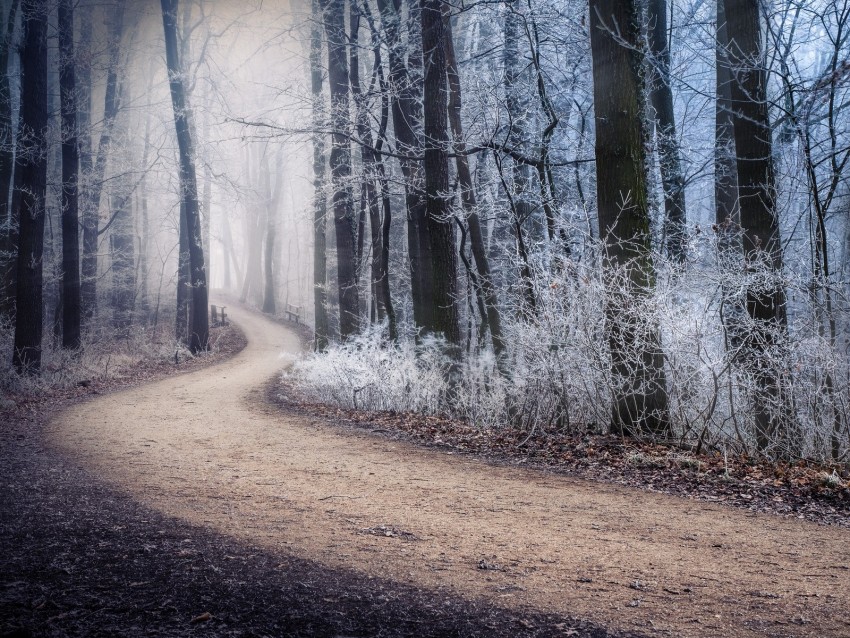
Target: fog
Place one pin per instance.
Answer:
(246, 74)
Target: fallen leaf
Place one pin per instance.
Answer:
(204, 617)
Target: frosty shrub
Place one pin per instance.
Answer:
(369, 373)
(101, 357)
(559, 361)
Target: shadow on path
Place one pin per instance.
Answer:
(78, 558)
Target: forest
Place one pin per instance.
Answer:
(425, 318)
(553, 215)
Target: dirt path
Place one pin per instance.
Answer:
(205, 447)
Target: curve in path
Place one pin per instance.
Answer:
(207, 448)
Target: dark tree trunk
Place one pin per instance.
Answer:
(31, 182)
(320, 267)
(382, 274)
(661, 95)
(8, 219)
(640, 396)
(440, 224)
(184, 277)
(334, 19)
(405, 89)
(91, 197)
(468, 199)
(369, 191)
(518, 111)
(727, 216)
(199, 337)
(764, 343)
(70, 180)
(725, 171)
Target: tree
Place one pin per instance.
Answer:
(90, 200)
(406, 91)
(639, 393)
(467, 195)
(381, 233)
(70, 180)
(199, 336)
(319, 199)
(661, 96)
(31, 184)
(8, 221)
(763, 343)
(334, 19)
(440, 227)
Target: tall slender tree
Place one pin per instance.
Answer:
(405, 90)
(467, 195)
(640, 402)
(661, 96)
(8, 221)
(90, 200)
(70, 179)
(763, 344)
(199, 334)
(320, 205)
(334, 19)
(31, 184)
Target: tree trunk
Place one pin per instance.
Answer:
(661, 95)
(144, 239)
(8, 220)
(405, 92)
(518, 111)
(467, 196)
(31, 182)
(334, 19)
(368, 158)
(184, 277)
(70, 180)
(199, 337)
(320, 266)
(91, 196)
(640, 401)
(763, 347)
(727, 215)
(446, 320)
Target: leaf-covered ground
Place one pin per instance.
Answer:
(81, 558)
(811, 491)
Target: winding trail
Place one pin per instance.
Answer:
(207, 448)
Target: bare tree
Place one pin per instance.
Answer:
(467, 195)
(31, 184)
(334, 19)
(640, 401)
(319, 199)
(440, 226)
(8, 221)
(406, 91)
(90, 200)
(70, 179)
(763, 343)
(661, 96)
(199, 336)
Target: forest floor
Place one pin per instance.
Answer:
(191, 505)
